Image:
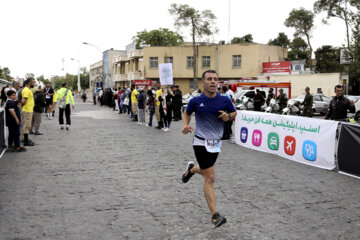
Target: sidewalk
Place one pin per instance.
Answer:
(108, 178)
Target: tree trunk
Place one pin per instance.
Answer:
(310, 48)
(195, 81)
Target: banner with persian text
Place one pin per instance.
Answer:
(306, 140)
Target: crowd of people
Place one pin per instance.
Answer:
(25, 107)
(143, 103)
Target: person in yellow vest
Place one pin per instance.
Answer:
(134, 102)
(28, 103)
(69, 99)
(157, 106)
(54, 104)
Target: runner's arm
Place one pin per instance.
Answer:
(186, 120)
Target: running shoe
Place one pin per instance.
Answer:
(218, 220)
(187, 174)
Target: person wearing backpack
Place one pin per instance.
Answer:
(65, 98)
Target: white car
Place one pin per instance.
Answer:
(357, 111)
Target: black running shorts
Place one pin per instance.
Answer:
(48, 102)
(205, 158)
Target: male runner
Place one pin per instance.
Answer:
(211, 111)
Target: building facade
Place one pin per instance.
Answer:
(231, 61)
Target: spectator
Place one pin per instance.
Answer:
(151, 107)
(27, 110)
(134, 109)
(141, 105)
(13, 122)
(49, 94)
(40, 104)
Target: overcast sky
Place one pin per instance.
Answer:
(37, 34)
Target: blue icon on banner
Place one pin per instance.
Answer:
(244, 134)
(309, 150)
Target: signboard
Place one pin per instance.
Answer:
(143, 82)
(166, 74)
(276, 67)
(345, 57)
(305, 140)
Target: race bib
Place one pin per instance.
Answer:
(213, 146)
(48, 97)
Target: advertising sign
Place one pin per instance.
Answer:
(276, 67)
(345, 56)
(143, 82)
(166, 74)
(305, 140)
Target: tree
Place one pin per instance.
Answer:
(282, 40)
(299, 49)
(158, 37)
(200, 23)
(355, 50)
(29, 75)
(327, 59)
(248, 38)
(339, 9)
(5, 73)
(84, 78)
(302, 21)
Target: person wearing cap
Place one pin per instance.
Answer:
(308, 102)
(282, 100)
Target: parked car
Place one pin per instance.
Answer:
(357, 111)
(321, 103)
(354, 98)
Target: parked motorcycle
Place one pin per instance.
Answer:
(292, 108)
(246, 104)
(273, 107)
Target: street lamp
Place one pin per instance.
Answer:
(78, 83)
(86, 43)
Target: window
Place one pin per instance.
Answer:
(317, 98)
(205, 61)
(236, 59)
(191, 83)
(189, 62)
(168, 60)
(154, 63)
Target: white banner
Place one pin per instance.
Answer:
(306, 140)
(166, 74)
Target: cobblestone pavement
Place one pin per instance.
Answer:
(108, 178)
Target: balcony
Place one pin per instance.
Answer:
(120, 58)
(136, 53)
(119, 77)
(134, 76)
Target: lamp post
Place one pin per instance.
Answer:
(78, 83)
(86, 43)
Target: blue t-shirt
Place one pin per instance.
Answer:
(208, 123)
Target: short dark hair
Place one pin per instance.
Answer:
(224, 88)
(337, 86)
(10, 92)
(63, 84)
(207, 71)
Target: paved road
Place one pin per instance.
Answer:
(108, 178)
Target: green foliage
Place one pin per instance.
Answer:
(302, 21)
(338, 9)
(29, 75)
(5, 74)
(201, 24)
(299, 50)
(327, 59)
(248, 38)
(72, 80)
(157, 37)
(355, 48)
(282, 40)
